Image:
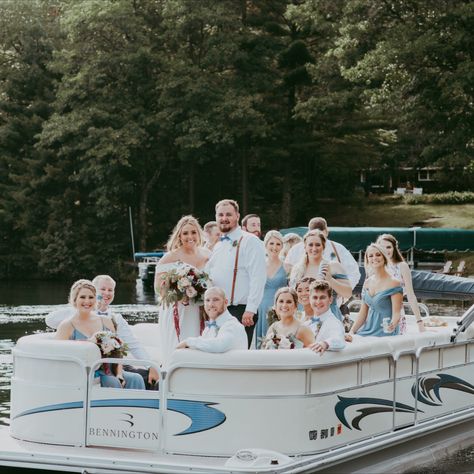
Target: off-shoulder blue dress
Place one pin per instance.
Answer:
(380, 307)
(278, 280)
(334, 305)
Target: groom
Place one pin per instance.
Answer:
(237, 265)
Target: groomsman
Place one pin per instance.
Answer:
(251, 223)
(327, 329)
(222, 332)
(333, 251)
(237, 265)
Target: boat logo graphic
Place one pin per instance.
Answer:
(130, 418)
(429, 388)
(203, 415)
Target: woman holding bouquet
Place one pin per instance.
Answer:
(85, 323)
(180, 282)
(313, 265)
(288, 332)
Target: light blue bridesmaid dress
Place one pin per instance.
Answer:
(272, 284)
(380, 307)
(334, 305)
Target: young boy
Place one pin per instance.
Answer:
(223, 332)
(105, 286)
(328, 330)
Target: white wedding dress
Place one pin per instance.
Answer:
(189, 322)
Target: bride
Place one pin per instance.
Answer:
(185, 246)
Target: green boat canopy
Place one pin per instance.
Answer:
(356, 239)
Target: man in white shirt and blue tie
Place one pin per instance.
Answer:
(222, 332)
(327, 329)
(237, 265)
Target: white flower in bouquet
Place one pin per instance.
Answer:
(183, 283)
(191, 292)
(109, 344)
(285, 343)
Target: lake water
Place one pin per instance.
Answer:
(23, 306)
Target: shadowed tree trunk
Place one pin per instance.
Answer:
(143, 208)
(192, 187)
(245, 203)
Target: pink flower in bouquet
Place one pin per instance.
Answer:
(191, 292)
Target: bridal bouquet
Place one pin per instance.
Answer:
(277, 341)
(109, 345)
(183, 284)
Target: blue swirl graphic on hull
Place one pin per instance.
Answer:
(382, 406)
(429, 388)
(203, 415)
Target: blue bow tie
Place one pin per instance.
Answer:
(225, 237)
(210, 324)
(315, 319)
(102, 313)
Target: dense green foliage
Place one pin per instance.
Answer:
(166, 106)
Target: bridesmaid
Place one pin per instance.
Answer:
(287, 327)
(313, 265)
(302, 290)
(276, 278)
(382, 297)
(400, 270)
(84, 323)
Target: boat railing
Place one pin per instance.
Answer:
(83, 381)
(403, 364)
(146, 394)
(463, 323)
(425, 312)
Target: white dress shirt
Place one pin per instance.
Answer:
(350, 265)
(251, 269)
(331, 331)
(227, 335)
(55, 318)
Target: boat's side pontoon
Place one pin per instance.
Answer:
(247, 411)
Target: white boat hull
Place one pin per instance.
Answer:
(381, 401)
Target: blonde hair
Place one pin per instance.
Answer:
(77, 286)
(272, 234)
(289, 240)
(298, 271)
(174, 242)
(217, 290)
(227, 202)
(97, 279)
(380, 249)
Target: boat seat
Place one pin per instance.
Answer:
(147, 334)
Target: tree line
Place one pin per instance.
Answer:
(165, 106)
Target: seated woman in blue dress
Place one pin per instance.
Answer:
(276, 278)
(313, 265)
(85, 323)
(382, 297)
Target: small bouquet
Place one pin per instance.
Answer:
(277, 341)
(109, 345)
(183, 284)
